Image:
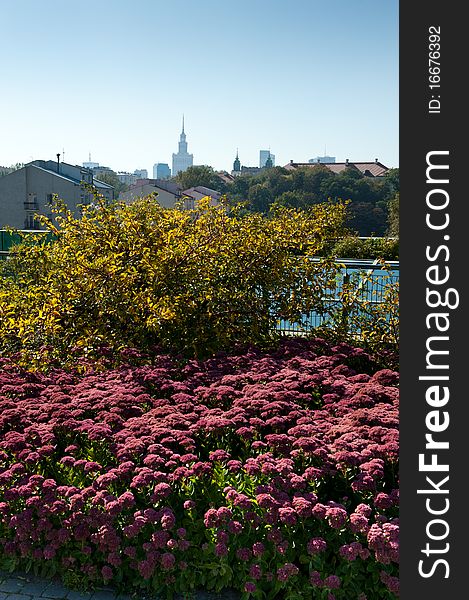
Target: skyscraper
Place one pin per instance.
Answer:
(182, 160)
(264, 156)
(161, 171)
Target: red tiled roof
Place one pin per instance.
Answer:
(371, 169)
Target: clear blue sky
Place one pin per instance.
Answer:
(113, 78)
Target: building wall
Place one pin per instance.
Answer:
(12, 196)
(28, 191)
(181, 162)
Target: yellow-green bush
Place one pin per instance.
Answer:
(367, 314)
(355, 247)
(139, 275)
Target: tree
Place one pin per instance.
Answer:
(203, 175)
(391, 183)
(7, 170)
(111, 178)
(307, 186)
(393, 216)
(260, 198)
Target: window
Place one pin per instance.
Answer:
(31, 202)
(30, 222)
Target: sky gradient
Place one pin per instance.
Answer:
(113, 78)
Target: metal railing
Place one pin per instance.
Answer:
(369, 281)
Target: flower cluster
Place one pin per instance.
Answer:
(272, 466)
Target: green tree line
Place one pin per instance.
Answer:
(373, 207)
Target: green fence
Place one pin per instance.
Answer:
(11, 238)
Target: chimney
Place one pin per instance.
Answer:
(58, 162)
(376, 160)
(291, 162)
(346, 161)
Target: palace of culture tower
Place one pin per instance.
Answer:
(182, 160)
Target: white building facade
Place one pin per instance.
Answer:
(182, 160)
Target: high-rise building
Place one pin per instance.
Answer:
(161, 171)
(141, 173)
(264, 156)
(182, 160)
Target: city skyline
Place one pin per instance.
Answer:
(296, 81)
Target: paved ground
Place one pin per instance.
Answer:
(22, 586)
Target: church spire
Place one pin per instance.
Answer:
(237, 163)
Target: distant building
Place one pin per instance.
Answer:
(141, 173)
(369, 169)
(127, 178)
(239, 169)
(161, 171)
(264, 156)
(30, 190)
(182, 160)
(225, 176)
(237, 164)
(322, 159)
(91, 165)
(97, 171)
(168, 193)
(250, 170)
(246, 171)
(192, 195)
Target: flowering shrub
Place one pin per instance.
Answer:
(192, 280)
(271, 473)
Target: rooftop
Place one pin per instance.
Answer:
(368, 168)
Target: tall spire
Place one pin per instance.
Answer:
(237, 163)
(182, 160)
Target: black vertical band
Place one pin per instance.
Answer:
(434, 331)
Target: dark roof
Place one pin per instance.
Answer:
(51, 172)
(224, 176)
(162, 184)
(75, 180)
(100, 184)
(200, 191)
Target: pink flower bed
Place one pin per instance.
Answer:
(270, 473)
